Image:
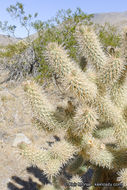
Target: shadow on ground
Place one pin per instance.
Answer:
(37, 173)
(30, 184)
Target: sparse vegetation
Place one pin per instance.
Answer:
(108, 35)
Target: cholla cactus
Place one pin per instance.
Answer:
(97, 131)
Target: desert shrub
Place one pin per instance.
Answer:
(108, 35)
(59, 29)
(12, 49)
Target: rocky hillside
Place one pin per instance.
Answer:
(6, 40)
(115, 18)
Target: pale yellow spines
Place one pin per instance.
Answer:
(125, 113)
(63, 151)
(118, 94)
(43, 110)
(52, 168)
(99, 154)
(120, 132)
(96, 151)
(91, 73)
(50, 160)
(109, 68)
(123, 177)
(34, 155)
(85, 120)
(105, 133)
(112, 71)
(89, 47)
(108, 112)
(124, 44)
(76, 183)
(75, 79)
(43, 159)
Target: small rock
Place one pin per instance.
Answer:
(20, 137)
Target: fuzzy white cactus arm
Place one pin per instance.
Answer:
(112, 71)
(75, 79)
(108, 112)
(42, 108)
(123, 50)
(76, 183)
(86, 120)
(52, 160)
(89, 47)
(105, 133)
(109, 69)
(118, 90)
(96, 151)
(101, 155)
(119, 94)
